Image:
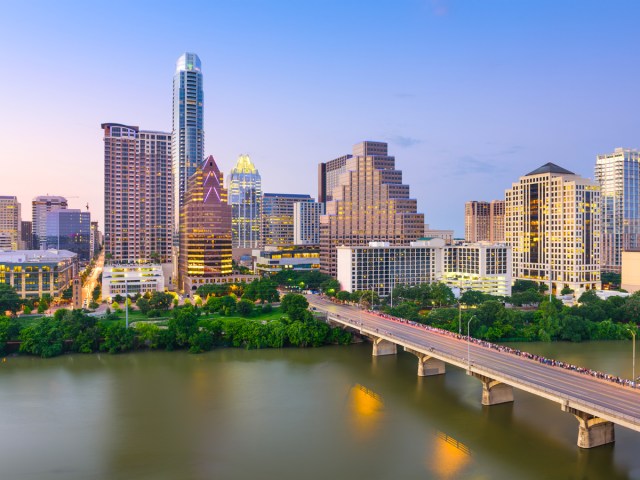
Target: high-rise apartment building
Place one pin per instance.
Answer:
(618, 174)
(484, 221)
(187, 149)
(369, 203)
(27, 235)
(40, 207)
(205, 229)
(70, 229)
(138, 192)
(277, 217)
(552, 223)
(10, 223)
(328, 177)
(245, 198)
(306, 222)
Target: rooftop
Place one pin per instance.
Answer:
(550, 168)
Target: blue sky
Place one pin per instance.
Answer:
(469, 94)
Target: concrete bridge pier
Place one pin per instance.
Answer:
(494, 392)
(383, 347)
(592, 431)
(427, 365)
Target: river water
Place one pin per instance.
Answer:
(326, 413)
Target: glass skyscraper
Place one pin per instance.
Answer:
(187, 148)
(619, 176)
(245, 198)
(70, 229)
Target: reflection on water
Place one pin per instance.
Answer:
(447, 457)
(366, 411)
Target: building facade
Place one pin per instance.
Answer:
(128, 279)
(40, 207)
(138, 192)
(33, 273)
(446, 235)
(306, 222)
(618, 174)
(369, 203)
(274, 259)
(552, 223)
(205, 230)
(329, 177)
(380, 267)
(496, 221)
(27, 235)
(277, 217)
(70, 229)
(10, 223)
(187, 138)
(245, 198)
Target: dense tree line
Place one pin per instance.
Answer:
(75, 331)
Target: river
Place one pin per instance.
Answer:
(326, 413)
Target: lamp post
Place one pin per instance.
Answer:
(633, 361)
(469, 342)
(126, 303)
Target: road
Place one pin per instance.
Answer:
(92, 280)
(601, 398)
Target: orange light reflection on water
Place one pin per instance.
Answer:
(366, 410)
(448, 457)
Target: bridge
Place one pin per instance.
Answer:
(596, 403)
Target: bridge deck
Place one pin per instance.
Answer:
(601, 398)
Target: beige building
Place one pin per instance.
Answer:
(484, 221)
(446, 235)
(552, 223)
(630, 271)
(10, 223)
(369, 203)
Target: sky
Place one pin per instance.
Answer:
(470, 95)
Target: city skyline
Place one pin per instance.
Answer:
(467, 95)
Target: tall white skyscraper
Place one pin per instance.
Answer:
(619, 176)
(10, 223)
(40, 206)
(552, 223)
(187, 148)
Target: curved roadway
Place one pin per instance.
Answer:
(598, 397)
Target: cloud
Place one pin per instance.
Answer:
(404, 141)
(468, 165)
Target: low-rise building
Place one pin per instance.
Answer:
(273, 259)
(34, 273)
(630, 279)
(129, 279)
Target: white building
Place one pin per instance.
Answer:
(380, 267)
(40, 206)
(552, 224)
(306, 223)
(121, 279)
(274, 259)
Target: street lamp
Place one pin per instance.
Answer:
(469, 343)
(633, 364)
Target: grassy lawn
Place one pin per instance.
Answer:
(275, 314)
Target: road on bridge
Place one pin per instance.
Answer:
(619, 403)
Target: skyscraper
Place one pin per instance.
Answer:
(70, 229)
(277, 217)
(10, 223)
(205, 229)
(245, 198)
(619, 176)
(552, 223)
(329, 175)
(138, 189)
(40, 206)
(369, 203)
(476, 221)
(187, 148)
(306, 222)
(496, 221)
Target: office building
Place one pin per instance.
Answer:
(618, 174)
(34, 273)
(272, 259)
(40, 207)
(277, 217)
(369, 203)
(446, 235)
(245, 198)
(128, 279)
(328, 177)
(27, 235)
(187, 148)
(138, 188)
(70, 229)
(10, 223)
(552, 223)
(205, 230)
(306, 222)
(496, 221)
(484, 221)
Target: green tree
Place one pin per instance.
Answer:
(245, 307)
(441, 294)
(160, 301)
(343, 296)
(143, 305)
(9, 299)
(9, 329)
(44, 338)
(148, 334)
(118, 338)
(520, 286)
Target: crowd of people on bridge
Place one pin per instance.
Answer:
(503, 348)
